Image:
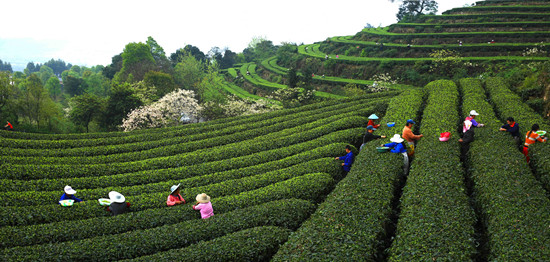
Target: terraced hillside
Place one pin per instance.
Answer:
(278, 193)
(485, 38)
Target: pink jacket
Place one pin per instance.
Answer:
(172, 199)
(206, 209)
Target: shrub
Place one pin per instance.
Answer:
(351, 223)
(436, 221)
(254, 244)
(287, 213)
(513, 204)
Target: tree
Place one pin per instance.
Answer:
(74, 85)
(5, 66)
(175, 108)
(292, 78)
(136, 60)
(84, 109)
(156, 50)
(181, 53)
(6, 89)
(54, 88)
(45, 73)
(35, 103)
(58, 66)
(228, 59)
(121, 101)
(163, 83)
(115, 66)
(413, 8)
(188, 72)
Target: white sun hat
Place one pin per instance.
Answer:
(69, 190)
(203, 198)
(174, 188)
(397, 139)
(474, 113)
(116, 197)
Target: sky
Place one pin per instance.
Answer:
(89, 33)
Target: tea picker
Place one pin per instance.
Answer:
(68, 198)
(369, 136)
(532, 137)
(397, 146)
(371, 121)
(175, 198)
(348, 159)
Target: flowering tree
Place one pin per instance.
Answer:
(177, 107)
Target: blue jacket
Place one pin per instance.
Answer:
(396, 148)
(65, 197)
(348, 161)
(513, 130)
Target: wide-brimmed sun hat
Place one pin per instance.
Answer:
(174, 188)
(203, 198)
(373, 117)
(116, 197)
(69, 190)
(397, 139)
(474, 113)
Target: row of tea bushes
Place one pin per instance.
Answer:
(286, 213)
(513, 206)
(351, 223)
(436, 220)
(189, 186)
(309, 187)
(265, 160)
(147, 143)
(15, 216)
(24, 139)
(509, 104)
(254, 244)
(248, 147)
(209, 140)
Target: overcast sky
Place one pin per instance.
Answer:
(89, 33)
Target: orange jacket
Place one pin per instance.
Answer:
(533, 138)
(408, 134)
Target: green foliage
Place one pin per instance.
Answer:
(136, 61)
(254, 244)
(287, 213)
(162, 82)
(410, 9)
(121, 101)
(502, 179)
(84, 109)
(436, 220)
(351, 223)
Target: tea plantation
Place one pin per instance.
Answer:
(277, 192)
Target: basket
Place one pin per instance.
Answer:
(541, 133)
(444, 139)
(104, 201)
(383, 149)
(66, 203)
(390, 124)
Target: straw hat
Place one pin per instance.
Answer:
(397, 139)
(69, 190)
(203, 198)
(116, 197)
(174, 188)
(373, 117)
